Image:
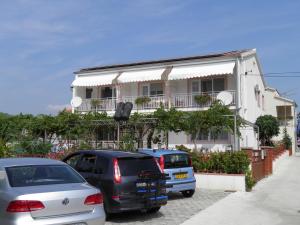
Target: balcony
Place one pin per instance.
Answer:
(180, 101)
(188, 100)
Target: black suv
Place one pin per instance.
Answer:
(128, 181)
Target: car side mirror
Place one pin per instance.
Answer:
(2, 174)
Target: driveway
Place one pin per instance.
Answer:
(274, 201)
(175, 212)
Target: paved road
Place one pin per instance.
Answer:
(175, 212)
(274, 201)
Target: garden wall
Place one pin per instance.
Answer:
(216, 181)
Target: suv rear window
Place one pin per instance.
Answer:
(176, 161)
(23, 176)
(134, 166)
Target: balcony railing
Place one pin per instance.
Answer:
(97, 104)
(154, 103)
(188, 100)
(177, 101)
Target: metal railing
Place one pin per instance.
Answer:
(154, 103)
(188, 100)
(97, 104)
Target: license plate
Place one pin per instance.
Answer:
(141, 185)
(181, 176)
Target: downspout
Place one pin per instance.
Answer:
(238, 100)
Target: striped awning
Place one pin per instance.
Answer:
(94, 80)
(141, 75)
(203, 70)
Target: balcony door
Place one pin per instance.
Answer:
(152, 89)
(108, 92)
(208, 86)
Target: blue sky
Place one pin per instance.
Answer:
(42, 42)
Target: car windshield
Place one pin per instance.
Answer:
(134, 166)
(176, 161)
(35, 175)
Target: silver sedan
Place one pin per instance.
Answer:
(36, 191)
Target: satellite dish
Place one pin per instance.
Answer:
(76, 101)
(225, 97)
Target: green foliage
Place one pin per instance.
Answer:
(286, 140)
(268, 128)
(250, 182)
(142, 100)
(127, 141)
(221, 162)
(85, 146)
(202, 99)
(95, 103)
(27, 146)
(183, 148)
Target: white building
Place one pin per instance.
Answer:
(175, 83)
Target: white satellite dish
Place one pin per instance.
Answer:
(76, 102)
(225, 97)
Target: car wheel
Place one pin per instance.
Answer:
(188, 193)
(153, 210)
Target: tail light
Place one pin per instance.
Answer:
(161, 163)
(190, 162)
(117, 173)
(24, 206)
(94, 199)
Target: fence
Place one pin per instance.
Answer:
(262, 160)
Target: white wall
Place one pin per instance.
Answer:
(271, 103)
(250, 109)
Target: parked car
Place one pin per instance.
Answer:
(177, 165)
(40, 191)
(128, 181)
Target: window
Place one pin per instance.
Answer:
(176, 161)
(134, 166)
(73, 160)
(36, 175)
(284, 112)
(213, 136)
(263, 102)
(145, 90)
(101, 165)
(108, 92)
(203, 136)
(206, 86)
(195, 86)
(219, 84)
(88, 93)
(86, 164)
(156, 89)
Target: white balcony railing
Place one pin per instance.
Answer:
(177, 101)
(97, 104)
(188, 100)
(154, 103)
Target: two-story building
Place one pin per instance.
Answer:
(237, 75)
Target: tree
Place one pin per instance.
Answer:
(268, 128)
(169, 120)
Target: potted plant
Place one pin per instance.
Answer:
(202, 99)
(95, 103)
(139, 101)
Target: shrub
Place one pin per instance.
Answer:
(142, 100)
(286, 140)
(250, 182)
(221, 162)
(202, 99)
(183, 148)
(33, 147)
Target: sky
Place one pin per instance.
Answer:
(42, 42)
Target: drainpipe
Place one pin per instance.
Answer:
(237, 105)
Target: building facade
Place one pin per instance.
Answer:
(235, 75)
